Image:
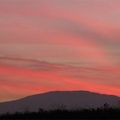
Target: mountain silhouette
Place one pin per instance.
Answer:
(59, 99)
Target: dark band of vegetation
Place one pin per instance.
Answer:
(65, 114)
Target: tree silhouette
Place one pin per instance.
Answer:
(106, 106)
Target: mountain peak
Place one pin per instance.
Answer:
(54, 99)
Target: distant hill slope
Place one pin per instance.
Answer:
(63, 99)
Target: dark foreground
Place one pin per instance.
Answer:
(65, 114)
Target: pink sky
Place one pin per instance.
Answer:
(59, 45)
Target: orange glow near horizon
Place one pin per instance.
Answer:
(51, 45)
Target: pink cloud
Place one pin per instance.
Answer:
(57, 77)
(63, 33)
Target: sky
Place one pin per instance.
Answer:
(55, 45)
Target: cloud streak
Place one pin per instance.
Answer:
(72, 44)
(24, 79)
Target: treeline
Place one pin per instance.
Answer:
(110, 113)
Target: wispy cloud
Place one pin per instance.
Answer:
(72, 44)
(24, 76)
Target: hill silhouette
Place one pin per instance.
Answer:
(69, 100)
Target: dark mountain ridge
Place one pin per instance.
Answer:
(70, 100)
